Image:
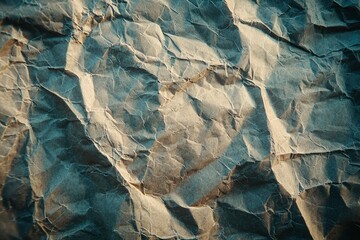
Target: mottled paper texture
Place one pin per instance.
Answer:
(179, 119)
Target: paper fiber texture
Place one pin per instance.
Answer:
(178, 119)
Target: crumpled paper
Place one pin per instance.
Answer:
(179, 119)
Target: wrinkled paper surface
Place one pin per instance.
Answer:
(179, 119)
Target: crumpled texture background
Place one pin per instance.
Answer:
(179, 119)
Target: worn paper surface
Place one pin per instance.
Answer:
(179, 119)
